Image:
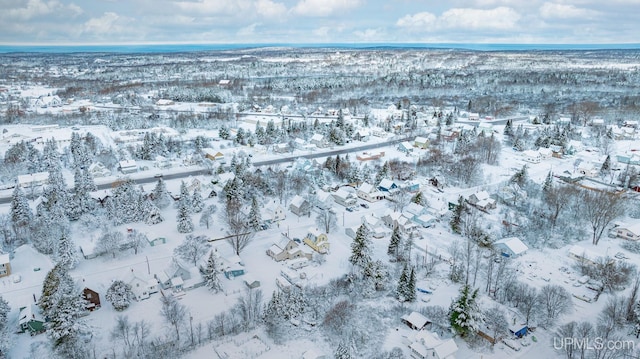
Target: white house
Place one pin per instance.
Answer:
(318, 140)
(324, 200)
(98, 170)
(299, 206)
(415, 320)
(142, 288)
(405, 147)
(428, 345)
(510, 247)
(128, 166)
(630, 232)
(531, 156)
(274, 212)
(5, 265)
(482, 200)
(32, 179)
(342, 197)
(369, 193)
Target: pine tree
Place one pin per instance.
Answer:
(151, 213)
(210, 274)
(197, 202)
(383, 173)
(521, 177)
(418, 198)
(606, 166)
(185, 197)
(548, 183)
(254, 216)
(361, 249)
(21, 214)
(456, 219)
(5, 337)
(185, 225)
(464, 314)
(636, 325)
(508, 129)
(67, 252)
(394, 243)
(410, 294)
(401, 290)
(119, 295)
(161, 196)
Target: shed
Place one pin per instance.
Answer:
(510, 247)
(415, 320)
(92, 298)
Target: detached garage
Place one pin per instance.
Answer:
(511, 247)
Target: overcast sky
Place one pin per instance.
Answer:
(318, 21)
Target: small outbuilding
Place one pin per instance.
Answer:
(511, 247)
(415, 320)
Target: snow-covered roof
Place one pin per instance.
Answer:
(4, 258)
(297, 201)
(514, 244)
(33, 177)
(127, 163)
(366, 187)
(416, 319)
(633, 228)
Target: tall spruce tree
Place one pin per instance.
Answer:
(210, 274)
(161, 196)
(197, 202)
(395, 243)
(401, 289)
(185, 224)
(254, 216)
(465, 316)
(361, 249)
(5, 334)
(456, 219)
(21, 214)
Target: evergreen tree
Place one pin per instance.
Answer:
(197, 202)
(401, 290)
(223, 132)
(361, 249)
(67, 252)
(21, 214)
(185, 225)
(255, 218)
(636, 324)
(394, 243)
(606, 166)
(465, 316)
(161, 196)
(210, 274)
(521, 177)
(185, 197)
(410, 294)
(456, 219)
(418, 198)
(151, 213)
(119, 295)
(548, 183)
(383, 173)
(5, 334)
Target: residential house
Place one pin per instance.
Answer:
(397, 220)
(388, 186)
(362, 135)
(324, 200)
(299, 206)
(98, 170)
(421, 142)
(299, 143)
(273, 212)
(428, 345)
(179, 275)
(48, 101)
(482, 200)
(583, 255)
(128, 166)
(375, 225)
(510, 247)
(415, 320)
(425, 220)
(345, 198)
(369, 156)
(369, 193)
(556, 151)
(5, 265)
(232, 266)
(545, 152)
(162, 162)
(405, 147)
(414, 209)
(531, 156)
(317, 240)
(588, 169)
(318, 140)
(628, 158)
(212, 154)
(281, 148)
(92, 299)
(30, 320)
(287, 248)
(142, 288)
(630, 232)
(156, 241)
(32, 179)
(411, 186)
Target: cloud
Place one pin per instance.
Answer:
(323, 8)
(270, 9)
(37, 8)
(370, 35)
(248, 31)
(500, 18)
(108, 24)
(559, 11)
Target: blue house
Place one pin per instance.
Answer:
(517, 329)
(387, 185)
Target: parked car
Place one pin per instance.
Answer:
(350, 209)
(364, 205)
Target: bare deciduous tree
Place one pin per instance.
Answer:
(496, 322)
(555, 300)
(600, 209)
(327, 220)
(174, 313)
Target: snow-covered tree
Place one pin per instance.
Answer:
(185, 197)
(464, 314)
(173, 312)
(151, 213)
(119, 295)
(5, 334)
(554, 301)
(136, 240)
(206, 217)
(605, 169)
(326, 219)
(67, 254)
(456, 219)
(521, 177)
(210, 273)
(395, 243)
(192, 248)
(197, 202)
(496, 321)
(401, 289)
(125, 204)
(161, 196)
(361, 249)
(548, 183)
(109, 243)
(185, 225)
(255, 218)
(342, 352)
(21, 214)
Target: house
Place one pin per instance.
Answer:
(531, 156)
(345, 198)
(545, 152)
(415, 320)
(32, 179)
(629, 232)
(556, 151)
(281, 148)
(98, 170)
(425, 220)
(626, 158)
(397, 220)
(375, 225)
(428, 345)
(285, 249)
(176, 269)
(231, 266)
(5, 265)
(142, 288)
(162, 162)
(412, 186)
(299, 143)
(317, 240)
(273, 212)
(92, 299)
(351, 232)
(362, 135)
(369, 156)
(369, 193)
(405, 147)
(583, 255)
(482, 200)
(299, 206)
(156, 241)
(413, 210)
(421, 142)
(212, 154)
(324, 200)
(30, 320)
(164, 102)
(48, 101)
(127, 166)
(387, 185)
(510, 247)
(588, 169)
(517, 328)
(318, 140)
